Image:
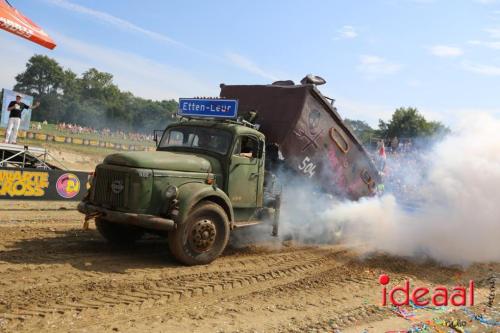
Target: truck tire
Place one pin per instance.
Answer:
(202, 237)
(118, 234)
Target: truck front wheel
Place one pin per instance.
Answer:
(118, 234)
(202, 237)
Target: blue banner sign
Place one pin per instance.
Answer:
(209, 108)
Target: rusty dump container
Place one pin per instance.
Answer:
(312, 137)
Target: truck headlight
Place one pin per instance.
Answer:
(171, 192)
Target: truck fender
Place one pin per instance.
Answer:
(192, 193)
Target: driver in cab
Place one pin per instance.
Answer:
(245, 148)
(246, 152)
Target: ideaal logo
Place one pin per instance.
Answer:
(440, 296)
(23, 183)
(68, 185)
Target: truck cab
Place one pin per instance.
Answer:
(205, 179)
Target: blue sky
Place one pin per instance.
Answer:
(440, 56)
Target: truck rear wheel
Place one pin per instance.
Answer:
(202, 237)
(118, 234)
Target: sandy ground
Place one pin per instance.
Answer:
(75, 160)
(57, 277)
(54, 277)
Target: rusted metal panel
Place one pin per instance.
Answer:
(312, 136)
(278, 107)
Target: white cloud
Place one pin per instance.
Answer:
(414, 83)
(236, 59)
(487, 2)
(13, 62)
(140, 75)
(373, 66)
(372, 112)
(113, 20)
(347, 32)
(482, 69)
(248, 65)
(491, 45)
(127, 26)
(445, 51)
(358, 110)
(493, 32)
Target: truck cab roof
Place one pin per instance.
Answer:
(236, 128)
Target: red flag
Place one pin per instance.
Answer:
(13, 21)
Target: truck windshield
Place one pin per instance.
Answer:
(197, 137)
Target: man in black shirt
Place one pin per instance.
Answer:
(16, 109)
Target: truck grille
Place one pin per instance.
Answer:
(111, 188)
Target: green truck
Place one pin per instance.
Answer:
(211, 175)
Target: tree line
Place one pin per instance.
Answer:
(406, 122)
(91, 99)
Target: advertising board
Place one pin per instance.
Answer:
(33, 184)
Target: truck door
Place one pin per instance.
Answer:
(244, 173)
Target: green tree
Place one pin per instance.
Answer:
(70, 85)
(91, 99)
(409, 123)
(96, 84)
(43, 76)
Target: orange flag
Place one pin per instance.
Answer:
(13, 21)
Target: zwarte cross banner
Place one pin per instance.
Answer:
(34, 184)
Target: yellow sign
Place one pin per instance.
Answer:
(23, 183)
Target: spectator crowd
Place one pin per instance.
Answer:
(103, 133)
(402, 166)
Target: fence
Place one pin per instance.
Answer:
(78, 141)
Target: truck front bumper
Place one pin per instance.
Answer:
(139, 220)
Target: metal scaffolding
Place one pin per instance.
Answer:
(23, 156)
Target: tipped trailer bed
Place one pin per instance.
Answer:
(311, 135)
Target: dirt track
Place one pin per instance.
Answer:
(54, 276)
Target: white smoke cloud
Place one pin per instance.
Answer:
(448, 209)
(458, 216)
